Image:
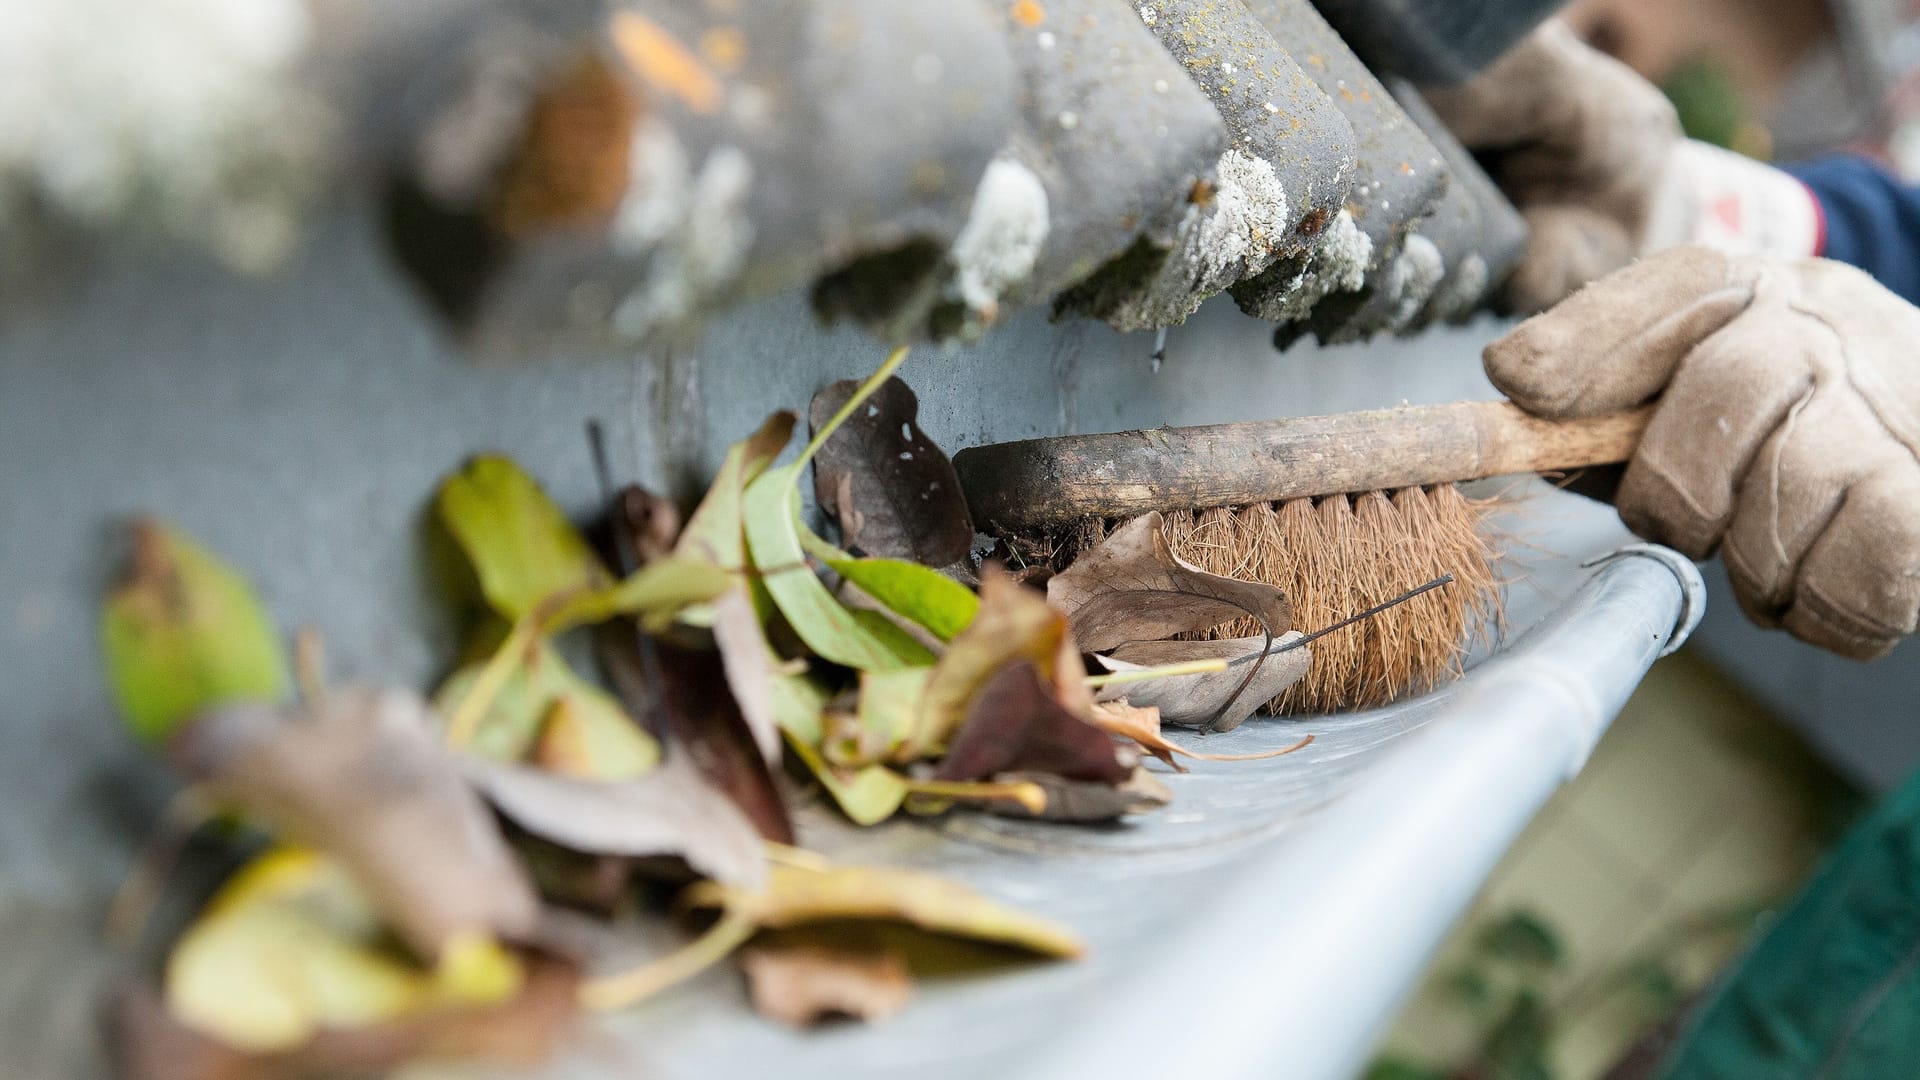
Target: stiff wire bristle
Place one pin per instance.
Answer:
(1337, 556)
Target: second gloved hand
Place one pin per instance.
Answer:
(1786, 431)
(1593, 156)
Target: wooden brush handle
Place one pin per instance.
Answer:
(1040, 482)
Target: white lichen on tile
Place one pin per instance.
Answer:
(1233, 233)
(1419, 269)
(185, 115)
(1002, 238)
(1338, 263)
(659, 187)
(1462, 290)
(701, 256)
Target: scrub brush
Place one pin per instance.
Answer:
(1341, 512)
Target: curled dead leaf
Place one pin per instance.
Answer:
(362, 777)
(1016, 724)
(1132, 588)
(1216, 701)
(1013, 624)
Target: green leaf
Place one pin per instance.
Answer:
(184, 633)
(868, 795)
(1471, 986)
(919, 593)
(654, 594)
(1517, 1047)
(545, 711)
(1522, 938)
(772, 509)
(522, 547)
(889, 709)
(797, 705)
(1395, 1068)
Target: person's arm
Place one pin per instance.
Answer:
(1869, 218)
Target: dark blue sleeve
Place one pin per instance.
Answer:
(1871, 219)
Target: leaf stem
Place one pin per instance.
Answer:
(1031, 797)
(1165, 671)
(467, 715)
(892, 363)
(609, 992)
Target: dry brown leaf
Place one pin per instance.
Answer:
(151, 1044)
(669, 811)
(894, 492)
(682, 696)
(1014, 624)
(749, 669)
(802, 984)
(1217, 701)
(1142, 725)
(1016, 724)
(362, 777)
(1131, 588)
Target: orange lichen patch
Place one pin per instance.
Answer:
(665, 63)
(571, 166)
(1027, 13)
(725, 47)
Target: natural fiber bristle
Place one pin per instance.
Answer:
(1338, 555)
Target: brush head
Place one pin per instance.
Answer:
(1337, 556)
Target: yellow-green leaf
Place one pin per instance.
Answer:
(655, 593)
(545, 710)
(919, 593)
(889, 708)
(797, 895)
(797, 703)
(522, 547)
(772, 509)
(867, 795)
(184, 633)
(289, 948)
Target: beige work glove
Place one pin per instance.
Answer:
(1785, 434)
(1593, 156)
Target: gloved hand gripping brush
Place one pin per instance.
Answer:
(1341, 512)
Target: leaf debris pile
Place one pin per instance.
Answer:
(403, 906)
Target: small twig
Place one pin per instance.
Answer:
(1165, 671)
(310, 665)
(609, 992)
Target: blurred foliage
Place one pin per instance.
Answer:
(1711, 107)
(1516, 990)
